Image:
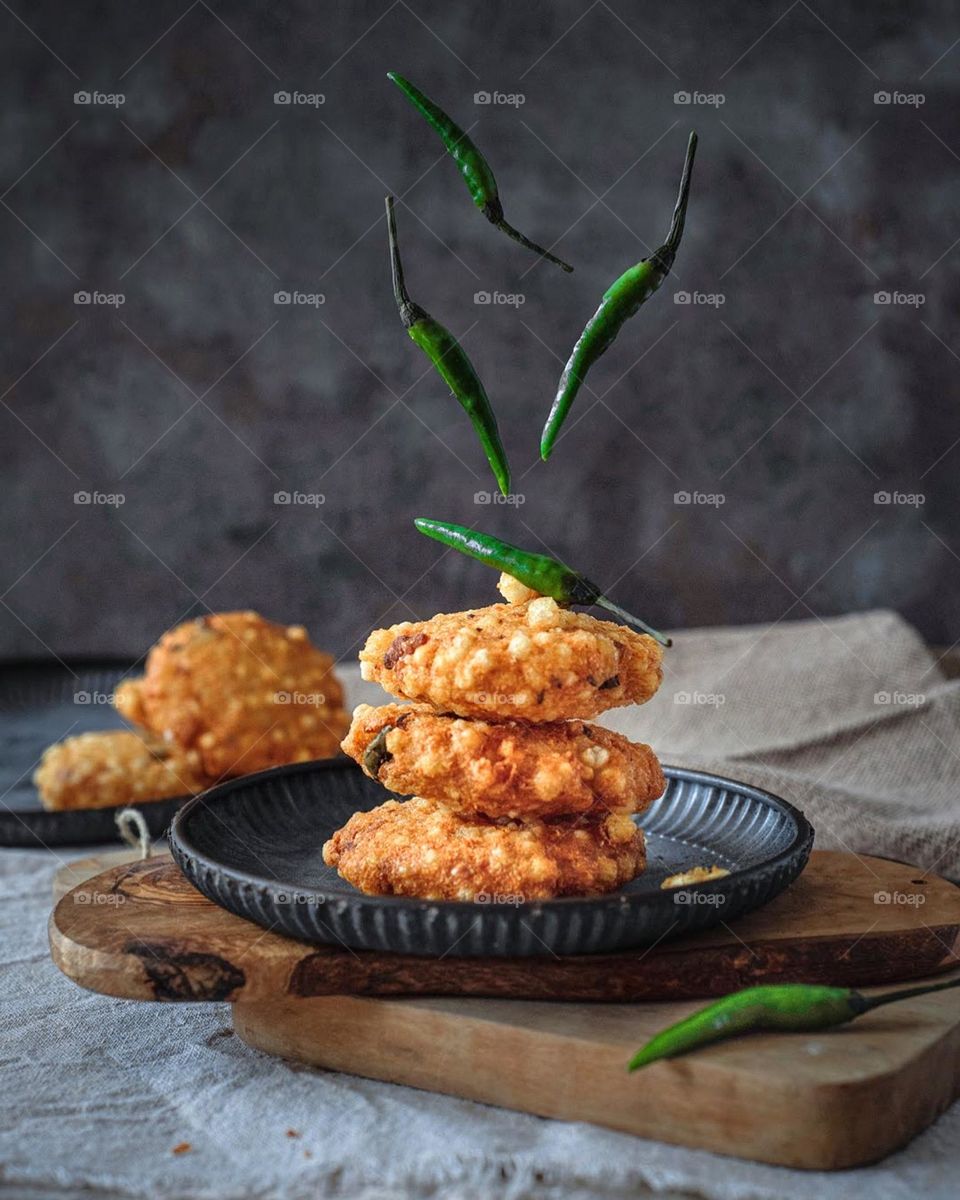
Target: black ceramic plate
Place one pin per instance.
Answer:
(253, 845)
(41, 704)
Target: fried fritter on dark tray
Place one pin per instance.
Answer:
(242, 692)
(503, 769)
(533, 661)
(422, 848)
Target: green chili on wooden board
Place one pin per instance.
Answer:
(452, 364)
(789, 1007)
(472, 165)
(538, 571)
(620, 301)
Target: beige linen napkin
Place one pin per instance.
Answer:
(851, 719)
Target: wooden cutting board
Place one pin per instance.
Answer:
(823, 1101)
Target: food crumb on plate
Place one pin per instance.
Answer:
(693, 876)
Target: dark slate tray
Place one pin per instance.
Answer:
(41, 704)
(253, 845)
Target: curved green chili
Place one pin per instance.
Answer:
(452, 364)
(471, 163)
(620, 301)
(790, 1007)
(538, 571)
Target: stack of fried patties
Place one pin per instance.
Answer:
(516, 797)
(222, 695)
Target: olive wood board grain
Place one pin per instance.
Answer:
(73, 873)
(140, 930)
(821, 1101)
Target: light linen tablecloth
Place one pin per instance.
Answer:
(849, 718)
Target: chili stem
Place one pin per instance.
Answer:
(870, 1002)
(603, 602)
(494, 214)
(409, 312)
(672, 243)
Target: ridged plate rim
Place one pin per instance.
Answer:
(204, 870)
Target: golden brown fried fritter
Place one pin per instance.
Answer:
(128, 701)
(420, 848)
(96, 770)
(513, 591)
(533, 661)
(241, 691)
(512, 769)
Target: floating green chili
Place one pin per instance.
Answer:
(538, 571)
(790, 1007)
(447, 355)
(472, 165)
(620, 301)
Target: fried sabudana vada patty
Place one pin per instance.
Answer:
(244, 693)
(421, 848)
(97, 770)
(512, 769)
(533, 661)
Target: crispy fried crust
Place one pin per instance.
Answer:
(513, 591)
(244, 693)
(420, 848)
(533, 661)
(128, 701)
(96, 770)
(512, 770)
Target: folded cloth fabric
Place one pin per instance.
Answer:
(851, 719)
(800, 715)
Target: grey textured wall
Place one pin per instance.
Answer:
(798, 398)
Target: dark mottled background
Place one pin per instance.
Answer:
(797, 399)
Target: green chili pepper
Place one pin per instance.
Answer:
(376, 754)
(538, 571)
(472, 165)
(452, 364)
(620, 301)
(791, 1007)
